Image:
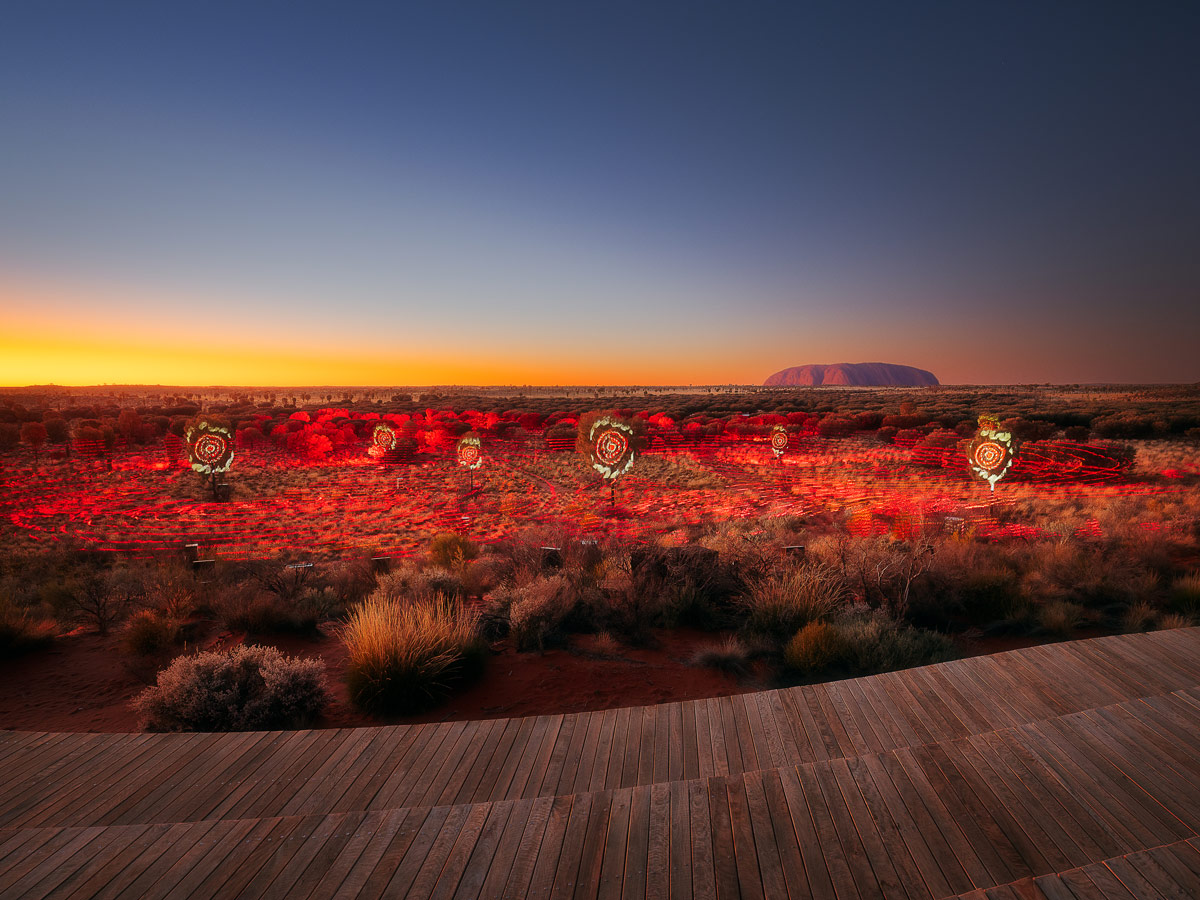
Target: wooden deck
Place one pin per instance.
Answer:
(1064, 771)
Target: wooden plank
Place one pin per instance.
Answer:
(637, 855)
(417, 772)
(860, 734)
(647, 746)
(1164, 872)
(690, 742)
(669, 734)
(720, 825)
(491, 857)
(533, 766)
(395, 873)
(1033, 822)
(680, 836)
(908, 713)
(477, 766)
(615, 776)
(898, 776)
(779, 721)
(459, 762)
(500, 866)
(902, 856)
(451, 844)
(787, 842)
(885, 874)
(1072, 836)
(749, 738)
(537, 859)
(375, 867)
(565, 752)
(1092, 833)
(853, 843)
(51, 868)
(658, 824)
(705, 761)
(1020, 853)
(837, 860)
(604, 745)
(770, 859)
(703, 875)
(297, 841)
(579, 780)
(607, 879)
(582, 843)
(834, 729)
(440, 877)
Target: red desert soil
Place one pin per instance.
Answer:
(85, 682)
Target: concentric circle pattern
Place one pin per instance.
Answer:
(611, 447)
(989, 455)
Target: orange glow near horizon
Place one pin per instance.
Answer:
(65, 335)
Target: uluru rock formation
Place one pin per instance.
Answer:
(870, 374)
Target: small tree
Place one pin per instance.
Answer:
(34, 434)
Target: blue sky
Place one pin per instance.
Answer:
(637, 193)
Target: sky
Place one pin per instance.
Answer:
(575, 192)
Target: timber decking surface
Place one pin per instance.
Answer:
(1061, 771)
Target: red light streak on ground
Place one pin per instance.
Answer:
(145, 501)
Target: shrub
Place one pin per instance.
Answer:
(20, 631)
(1173, 620)
(247, 688)
(449, 549)
(731, 655)
(1139, 617)
(1185, 595)
(781, 604)
(149, 632)
(249, 609)
(405, 657)
(874, 642)
(815, 647)
(538, 610)
(1060, 617)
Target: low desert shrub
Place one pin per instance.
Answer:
(405, 657)
(1140, 616)
(20, 630)
(1185, 595)
(538, 611)
(1059, 617)
(148, 632)
(1173, 620)
(730, 655)
(814, 648)
(875, 642)
(250, 609)
(780, 605)
(247, 688)
(449, 549)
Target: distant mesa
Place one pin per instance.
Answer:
(853, 375)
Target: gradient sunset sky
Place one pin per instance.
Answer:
(572, 193)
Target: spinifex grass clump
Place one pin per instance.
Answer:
(248, 688)
(782, 603)
(405, 656)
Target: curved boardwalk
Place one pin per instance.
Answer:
(1063, 771)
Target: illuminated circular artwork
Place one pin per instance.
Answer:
(383, 441)
(991, 453)
(384, 437)
(210, 448)
(612, 447)
(779, 440)
(470, 453)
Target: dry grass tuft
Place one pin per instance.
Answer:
(405, 657)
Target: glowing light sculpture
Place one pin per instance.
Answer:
(779, 441)
(612, 441)
(383, 441)
(991, 453)
(210, 449)
(470, 454)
